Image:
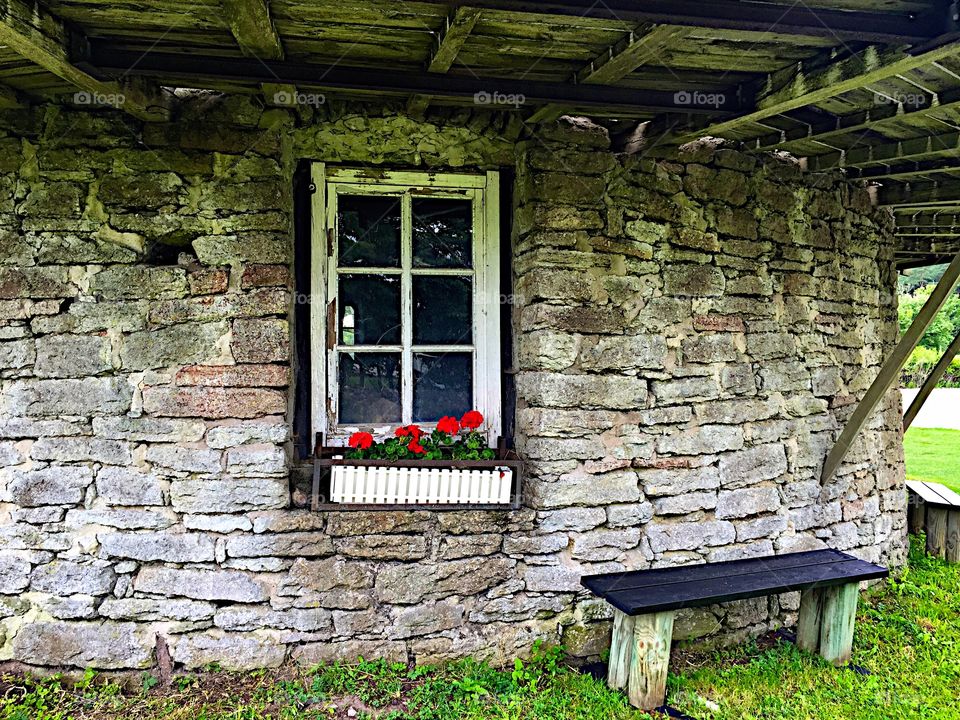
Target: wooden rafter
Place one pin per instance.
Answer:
(920, 194)
(928, 146)
(904, 171)
(253, 29)
(640, 47)
(36, 35)
(451, 40)
(891, 369)
(796, 87)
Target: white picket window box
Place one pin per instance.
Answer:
(395, 485)
(482, 484)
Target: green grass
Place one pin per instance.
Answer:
(908, 638)
(933, 455)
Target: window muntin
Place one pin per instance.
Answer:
(410, 278)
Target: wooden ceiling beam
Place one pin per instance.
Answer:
(450, 41)
(253, 29)
(641, 47)
(43, 39)
(188, 70)
(755, 17)
(797, 86)
(921, 148)
(904, 171)
(920, 194)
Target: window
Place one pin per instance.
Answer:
(407, 266)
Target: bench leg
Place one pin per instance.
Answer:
(936, 531)
(953, 536)
(648, 658)
(827, 617)
(621, 651)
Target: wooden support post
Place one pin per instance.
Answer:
(937, 531)
(650, 657)
(621, 651)
(931, 383)
(827, 617)
(953, 536)
(916, 513)
(892, 366)
(839, 615)
(811, 617)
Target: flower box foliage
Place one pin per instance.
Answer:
(452, 439)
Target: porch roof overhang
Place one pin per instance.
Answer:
(873, 88)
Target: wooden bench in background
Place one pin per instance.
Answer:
(644, 602)
(935, 510)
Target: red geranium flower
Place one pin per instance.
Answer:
(415, 447)
(471, 420)
(448, 425)
(413, 431)
(361, 440)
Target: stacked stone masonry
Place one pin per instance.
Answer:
(691, 331)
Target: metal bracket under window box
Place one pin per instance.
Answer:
(342, 484)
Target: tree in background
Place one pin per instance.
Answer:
(915, 288)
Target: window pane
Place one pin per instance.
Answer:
(442, 310)
(369, 388)
(442, 385)
(369, 228)
(442, 233)
(369, 309)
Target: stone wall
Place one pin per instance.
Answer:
(690, 334)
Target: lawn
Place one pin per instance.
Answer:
(933, 455)
(906, 647)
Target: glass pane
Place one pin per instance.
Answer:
(442, 310)
(442, 233)
(369, 229)
(369, 388)
(369, 309)
(442, 385)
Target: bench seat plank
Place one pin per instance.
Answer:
(934, 494)
(659, 590)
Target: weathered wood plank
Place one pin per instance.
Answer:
(621, 650)
(638, 48)
(931, 383)
(253, 29)
(952, 550)
(810, 619)
(839, 616)
(937, 531)
(890, 371)
(798, 87)
(42, 38)
(647, 684)
(916, 514)
(452, 38)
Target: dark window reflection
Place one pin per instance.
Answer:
(369, 388)
(369, 228)
(442, 385)
(369, 309)
(442, 233)
(442, 310)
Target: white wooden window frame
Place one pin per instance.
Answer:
(483, 190)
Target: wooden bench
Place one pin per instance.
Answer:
(644, 603)
(935, 510)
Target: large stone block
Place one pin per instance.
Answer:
(280, 545)
(703, 440)
(261, 341)
(231, 651)
(679, 481)
(246, 248)
(350, 651)
(427, 620)
(240, 618)
(139, 282)
(163, 546)
(56, 398)
(156, 609)
(632, 352)
(229, 585)
(63, 577)
(583, 391)
(184, 459)
(227, 494)
(214, 403)
(754, 465)
(411, 584)
(583, 489)
(35, 283)
(747, 501)
(235, 375)
(56, 485)
(690, 535)
(14, 574)
(257, 461)
(693, 281)
(183, 344)
(147, 429)
(77, 449)
(103, 645)
(234, 435)
(72, 356)
(127, 486)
